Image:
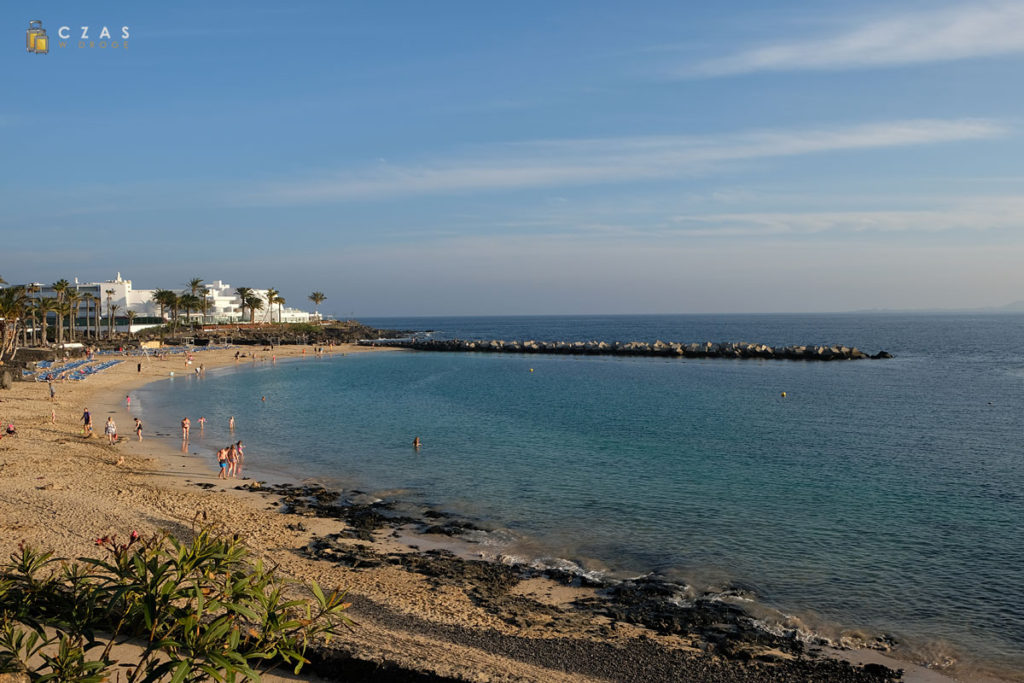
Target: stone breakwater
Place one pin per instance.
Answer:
(636, 348)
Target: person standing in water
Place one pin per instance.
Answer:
(231, 423)
(186, 425)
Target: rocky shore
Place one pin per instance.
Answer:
(711, 639)
(636, 348)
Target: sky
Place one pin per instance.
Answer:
(504, 158)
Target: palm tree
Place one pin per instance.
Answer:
(110, 314)
(317, 298)
(190, 302)
(45, 305)
(75, 299)
(112, 323)
(255, 303)
(205, 294)
(175, 303)
(63, 310)
(164, 298)
(279, 300)
(243, 294)
(60, 288)
(271, 300)
(33, 307)
(131, 319)
(97, 309)
(13, 301)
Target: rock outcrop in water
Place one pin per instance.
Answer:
(636, 348)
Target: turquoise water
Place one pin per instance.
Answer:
(882, 495)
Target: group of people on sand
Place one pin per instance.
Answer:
(230, 459)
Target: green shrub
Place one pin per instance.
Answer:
(198, 611)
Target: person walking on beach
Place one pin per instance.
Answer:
(222, 461)
(138, 428)
(185, 427)
(111, 431)
(53, 392)
(239, 458)
(232, 460)
(86, 423)
(128, 401)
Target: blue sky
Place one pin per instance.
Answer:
(423, 158)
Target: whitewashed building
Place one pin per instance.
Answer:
(223, 304)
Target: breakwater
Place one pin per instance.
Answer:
(636, 348)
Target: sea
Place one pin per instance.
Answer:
(852, 499)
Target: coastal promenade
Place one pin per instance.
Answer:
(636, 348)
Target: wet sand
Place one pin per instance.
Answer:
(422, 616)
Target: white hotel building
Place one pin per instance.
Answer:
(223, 304)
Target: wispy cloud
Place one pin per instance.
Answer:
(963, 32)
(554, 163)
(965, 214)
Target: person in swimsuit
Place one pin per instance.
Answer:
(111, 431)
(222, 460)
(138, 428)
(185, 427)
(232, 460)
(240, 458)
(86, 423)
(231, 423)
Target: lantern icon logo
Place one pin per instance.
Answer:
(36, 39)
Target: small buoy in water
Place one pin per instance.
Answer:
(531, 369)
(783, 394)
(172, 373)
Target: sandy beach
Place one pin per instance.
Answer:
(418, 619)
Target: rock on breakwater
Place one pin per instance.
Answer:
(637, 348)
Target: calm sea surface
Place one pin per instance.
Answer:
(886, 496)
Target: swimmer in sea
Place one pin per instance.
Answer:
(416, 443)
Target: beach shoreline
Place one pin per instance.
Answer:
(62, 491)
